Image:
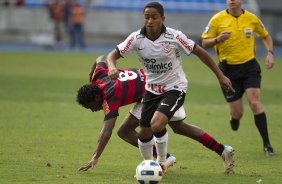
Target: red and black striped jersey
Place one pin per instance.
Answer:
(127, 89)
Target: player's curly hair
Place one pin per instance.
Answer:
(155, 5)
(87, 93)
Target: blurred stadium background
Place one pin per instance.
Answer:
(26, 24)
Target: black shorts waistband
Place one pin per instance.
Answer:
(223, 64)
(245, 63)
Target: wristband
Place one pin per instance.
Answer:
(271, 52)
(215, 41)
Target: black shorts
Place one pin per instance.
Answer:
(242, 76)
(167, 103)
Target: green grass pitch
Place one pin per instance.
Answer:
(45, 136)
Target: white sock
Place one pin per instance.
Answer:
(161, 146)
(146, 149)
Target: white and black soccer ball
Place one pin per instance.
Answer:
(148, 172)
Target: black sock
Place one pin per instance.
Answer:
(261, 123)
(161, 133)
(146, 140)
(234, 124)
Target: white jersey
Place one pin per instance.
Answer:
(160, 59)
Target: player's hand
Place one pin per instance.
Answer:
(114, 73)
(88, 165)
(226, 84)
(223, 36)
(269, 60)
(91, 74)
(93, 69)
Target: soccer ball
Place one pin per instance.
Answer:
(148, 172)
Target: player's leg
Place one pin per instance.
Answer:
(196, 133)
(253, 95)
(127, 130)
(169, 104)
(252, 84)
(234, 99)
(145, 135)
(236, 111)
(179, 127)
(148, 120)
(128, 133)
(158, 125)
(235, 102)
(146, 142)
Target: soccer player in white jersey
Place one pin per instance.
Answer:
(158, 48)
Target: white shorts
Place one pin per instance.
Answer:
(178, 115)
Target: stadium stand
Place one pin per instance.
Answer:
(171, 6)
(120, 17)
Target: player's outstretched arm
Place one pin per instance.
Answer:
(101, 58)
(205, 58)
(104, 138)
(112, 57)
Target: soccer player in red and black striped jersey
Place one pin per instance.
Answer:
(109, 95)
(126, 90)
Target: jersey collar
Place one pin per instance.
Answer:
(143, 30)
(227, 11)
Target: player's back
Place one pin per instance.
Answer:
(127, 89)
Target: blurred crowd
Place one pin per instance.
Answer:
(12, 2)
(68, 17)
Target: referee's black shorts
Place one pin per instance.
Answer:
(167, 103)
(242, 76)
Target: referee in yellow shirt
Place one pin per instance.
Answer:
(231, 33)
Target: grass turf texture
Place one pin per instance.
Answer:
(45, 136)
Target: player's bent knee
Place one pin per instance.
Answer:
(157, 127)
(121, 132)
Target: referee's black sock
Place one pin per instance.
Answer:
(261, 123)
(234, 124)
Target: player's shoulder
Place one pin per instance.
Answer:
(101, 62)
(250, 15)
(138, 34)
(101, 69)
(219, 15)
(171, 33)
(170, 30)
(102, 65)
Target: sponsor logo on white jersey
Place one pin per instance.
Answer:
(152, 66)
(127, 46)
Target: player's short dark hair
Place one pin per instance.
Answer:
(155, 5)
(87, 93)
